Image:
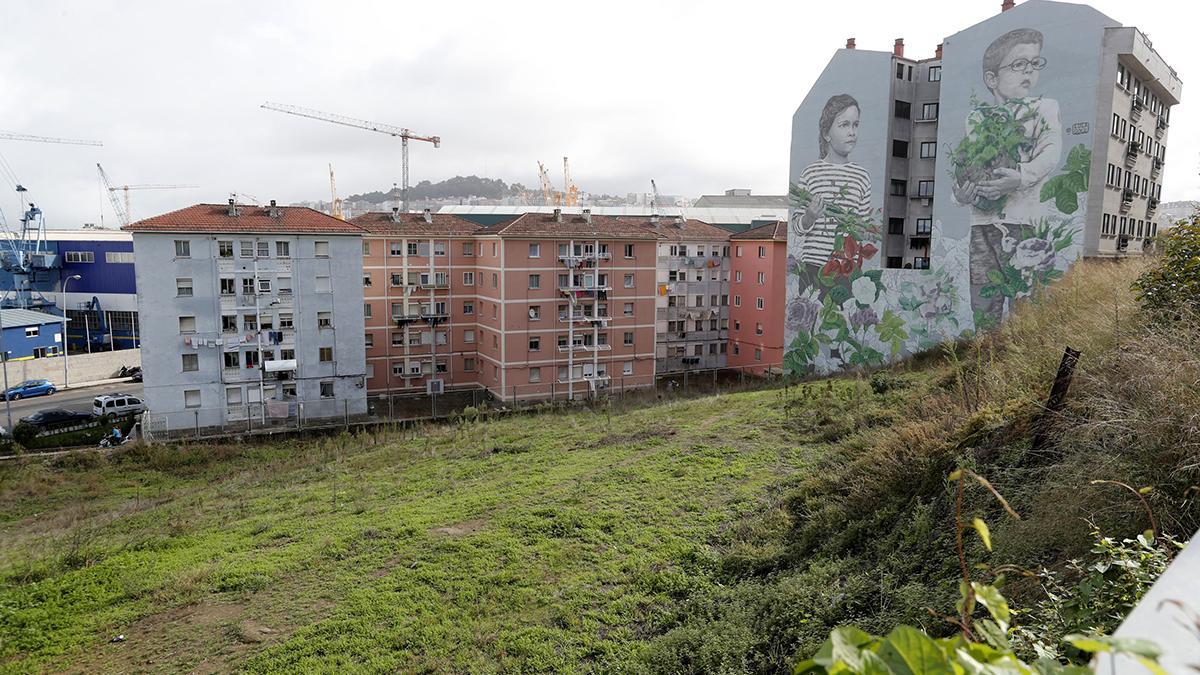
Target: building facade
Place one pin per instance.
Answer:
(759, 266)
(258, 315)
(928, 196)
(692, 298)
(29, 334)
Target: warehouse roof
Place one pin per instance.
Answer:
(15, 318)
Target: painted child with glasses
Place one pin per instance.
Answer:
(1012, 64)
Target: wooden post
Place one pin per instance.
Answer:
(1058, 395)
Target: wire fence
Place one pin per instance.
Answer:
(616, 393)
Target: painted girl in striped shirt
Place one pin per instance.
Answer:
(831, 180)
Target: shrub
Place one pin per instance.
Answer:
(1171, 289)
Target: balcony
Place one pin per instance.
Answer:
(1160, 125)
(1151, 205)
(402, 320)
(584, 289)
(583, 257)
(584, 318)
(1131, 152)
(1156, 166)
(584, 348)
(434, 284)
(1135, 109)
(600, 380)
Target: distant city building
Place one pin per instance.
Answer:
(258, 314)
(741, 198)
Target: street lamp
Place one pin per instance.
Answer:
(64, 324)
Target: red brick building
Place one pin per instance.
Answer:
(759, 297)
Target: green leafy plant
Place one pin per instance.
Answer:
(996, 139)
(1064, 188)
(1171, 289)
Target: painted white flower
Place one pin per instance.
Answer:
(863, 290)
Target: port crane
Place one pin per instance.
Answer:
(124, 213)
(405, 135)
(335, 204)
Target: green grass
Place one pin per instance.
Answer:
(550, 543)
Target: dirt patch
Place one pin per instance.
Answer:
(461, 529)
(251, 632)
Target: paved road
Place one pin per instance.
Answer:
(72, 399)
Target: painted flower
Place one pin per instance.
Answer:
(801, 315)
(863, 290)
(1034, 254)
(863, 317)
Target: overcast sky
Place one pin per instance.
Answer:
(696, 95)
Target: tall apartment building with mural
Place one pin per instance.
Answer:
(927, 196)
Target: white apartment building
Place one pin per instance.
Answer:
(252, 315)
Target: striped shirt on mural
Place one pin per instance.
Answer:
(828, 180)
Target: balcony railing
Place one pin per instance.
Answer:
(1156, 165)
(583, 318)
(571, 259)
(598, 379)
(583, 289)
(1127, 196)
(584, 348)
(1151, 205)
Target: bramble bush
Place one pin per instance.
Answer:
(1171, 289)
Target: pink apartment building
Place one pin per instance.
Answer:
(759, 298)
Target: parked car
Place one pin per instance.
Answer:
(56, 416)
(117, 404)
(29, 388)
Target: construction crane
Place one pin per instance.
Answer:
(335, 204)
(549, 194)
(125, 214)
(405, 135)
(654, 196)
(570, 192)
(10, 136)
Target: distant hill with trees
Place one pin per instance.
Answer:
(451, 188)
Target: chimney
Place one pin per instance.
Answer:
(679, 222)
(232, 207)
(395, 214)
(428, 216)
(898, 50)
(850, 43)
(587, 216)
(937, 53)
(273, 210)
(654, 219)
(1007, 5)
(558, 215)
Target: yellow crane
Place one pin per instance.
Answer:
(335, 204)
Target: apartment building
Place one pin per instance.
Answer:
(692, 294)
(565, 305)
(757, 315)
(258, 314)
(420, 282)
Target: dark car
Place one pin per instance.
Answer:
(56, 417)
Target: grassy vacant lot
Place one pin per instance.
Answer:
(556, 542)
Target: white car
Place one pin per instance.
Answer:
(117, 404)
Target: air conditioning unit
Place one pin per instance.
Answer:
(435, 387)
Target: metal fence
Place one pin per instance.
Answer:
(618, 393)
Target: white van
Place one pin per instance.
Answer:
(117, 404)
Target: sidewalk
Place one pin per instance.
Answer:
(97, 383)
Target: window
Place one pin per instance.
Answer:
(736, 349)
(468, 248)
(628, 250)
(250, 322)
(191, 362)
(248, 286)
(758, 329)
(758, 302)
(322, 285)
(118, 257)
(230, 360)
(251, 359)
(468, 278)
(191, 398)
(366, 281)
(899, 71)
(935, 73)
(628, 342)
(264, 249)
(367, 311)
(285, 285)
(738, 252)
(535, 313)
(899, 148)
(899, 188)
(324, 319)
(439, 248)
(535, 374)
(921, 263)
(183, 287)
(762, 279)
(366, 248)
(183, 248)
(264, 285)
(187, 324)
(535, 250)
(285, 321)
(246, 248)
(225, 249)
(928, 149)
(737, 276)
(495, 280)
(283, 249)
(903, 109)
(228, 286)
(758, 354)
(925, 188)
(468, 336)
(320, 249)
(535, 281)
(327, 389)
(929, 111)
(737, 301)
(535, 344)
(412, 248)
(468, 308)
(469, 365)
(894, 262)
(628, 281)
(628, 309)
(924, 225)
(325, 354)
(895, 226)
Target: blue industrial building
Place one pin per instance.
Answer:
(28, 334)
(101, 303)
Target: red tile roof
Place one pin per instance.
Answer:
(414, 224)
(570, 225)
(250, 220)
(776, 231)
(677, 229)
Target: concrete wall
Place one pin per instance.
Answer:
(82, 367)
